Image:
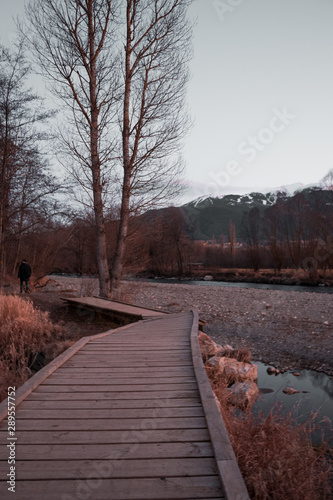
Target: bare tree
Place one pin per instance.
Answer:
(155, 69)
(24, 179)
(74, 44)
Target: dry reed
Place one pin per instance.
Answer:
(25, 333)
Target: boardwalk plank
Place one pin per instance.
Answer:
(103, 380)
(122, 371)
(139, 413)
(97, 387)
(108, 424)
(100, 403)
(111, 385)
(203, 487)
(72, 469)
(111, 451)
(145, 435)
(165, 395)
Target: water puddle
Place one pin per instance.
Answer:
(316, 396)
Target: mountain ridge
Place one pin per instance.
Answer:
(208, 217)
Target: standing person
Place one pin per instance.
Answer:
(24, 274)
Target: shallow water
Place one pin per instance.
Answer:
(318, 398)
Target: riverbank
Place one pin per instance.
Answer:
(289, 330)
(290, 277)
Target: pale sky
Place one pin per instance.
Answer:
(261, 93)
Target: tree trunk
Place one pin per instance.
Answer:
(126, 192)
(121, 240)
(101, 253)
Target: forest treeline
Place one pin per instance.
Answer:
(295, 232)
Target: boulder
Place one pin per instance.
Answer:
(233, 370)
(208, 278)
(207, 346)
(242, 394)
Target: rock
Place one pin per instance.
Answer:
(241, 394)
(233, 370)
(271, 370)
(296, 374)
(208, 278)
(207, 346)
(290, 391)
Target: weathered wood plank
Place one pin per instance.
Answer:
(125, 371)
(97, 387)
(109, 403)
(171, 373)
(140, 413)
(111, 385)
(148, 435)
(124, 451)
(108, 424)
(134, 364)
(135, 350)
(78, 469)
(135, 489)
(65, 396)
(103, 380)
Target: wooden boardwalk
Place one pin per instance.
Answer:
(128, 414)
(119, 312)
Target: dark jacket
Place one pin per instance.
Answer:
(24, 272)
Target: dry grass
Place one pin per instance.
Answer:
(276, 456)
(25, 334)
(275, 453)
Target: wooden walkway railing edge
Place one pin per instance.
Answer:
(230, 475)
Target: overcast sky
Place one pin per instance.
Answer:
(260, 94)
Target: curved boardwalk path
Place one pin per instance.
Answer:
(128, 414)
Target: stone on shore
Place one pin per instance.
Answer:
(233, 370)
(242, 394)
(209, 348)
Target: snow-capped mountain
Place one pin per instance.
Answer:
(267, 197)
(209, 216)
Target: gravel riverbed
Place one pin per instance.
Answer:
(289, 330)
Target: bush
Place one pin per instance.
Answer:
(25, 333)
(276, 456)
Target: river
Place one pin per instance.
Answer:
(259, 286)
(317, 398)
